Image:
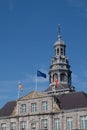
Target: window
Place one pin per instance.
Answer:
(23, 125)
(50, 79)
(57, 124)
(63, 77)
(57, 51)
(33, 107)
(61, 51)
(44, 124)
(55, 76)
(3, 126)
(69, 123)
(83, 122)
(44, 105)
(69, 79)
(13, 125)
(23, 108)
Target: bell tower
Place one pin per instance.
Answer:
(60, 67)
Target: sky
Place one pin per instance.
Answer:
(28, 31)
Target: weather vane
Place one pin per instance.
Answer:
(59, 31)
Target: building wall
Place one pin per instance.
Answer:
(35, 118)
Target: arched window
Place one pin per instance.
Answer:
(55, 76)
(50, 79)
(63, 77)
(57, 51)
(69, 79)
(61, 51)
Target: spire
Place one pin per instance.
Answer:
(60, 66)
(59, 32)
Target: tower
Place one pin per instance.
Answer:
(60, 68)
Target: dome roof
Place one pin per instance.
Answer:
(59, 42)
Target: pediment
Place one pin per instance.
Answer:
(31, 95)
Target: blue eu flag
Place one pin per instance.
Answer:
(40, 74)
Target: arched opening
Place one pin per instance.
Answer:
(69, 79)
(55, 76)
(50, 79)
(61, 51)
(57, 51)
(63, 77)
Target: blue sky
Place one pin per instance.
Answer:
(28, 31)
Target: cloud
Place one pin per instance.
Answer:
(84, 75)
(7, 82)
(81, 5)
(76, 3)
(3, 96)
(28, 79)
(31, 78)
(84, 13)
(9, 88)
(75, 78)
(79, 81)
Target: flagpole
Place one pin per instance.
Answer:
(18, 92)
(36, 82)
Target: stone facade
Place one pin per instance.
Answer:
(46, 114)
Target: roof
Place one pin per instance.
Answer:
(72, 100)
(67, 101)
(8, 108)
(60, 87)
(59, 42)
